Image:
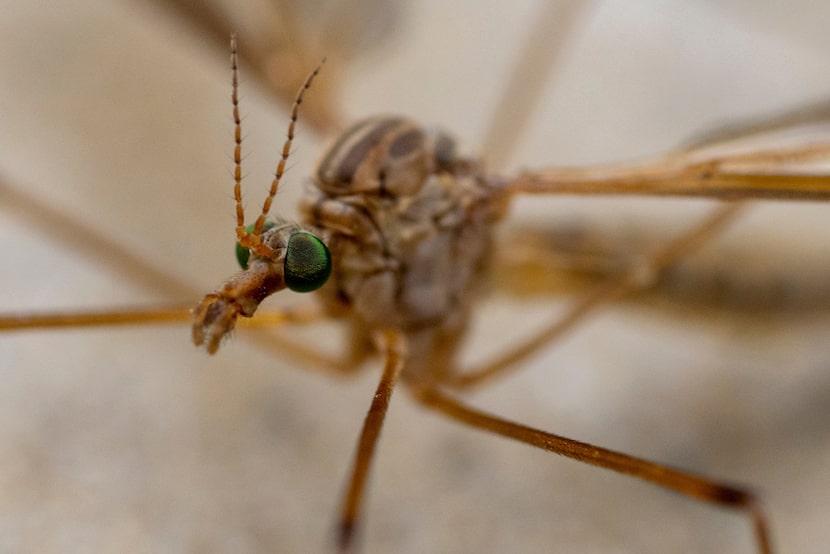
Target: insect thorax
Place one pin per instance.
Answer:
(408, 224)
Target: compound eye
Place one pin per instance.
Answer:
(242, 253)
(307, 263)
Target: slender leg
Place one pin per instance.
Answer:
(308, 356)
(94, 245)
(755, 175)
(143, 316)
(680, 481)
(265, 333)
(392, 345)
(284, 41)
(638, 277)
(136, 316)
(557, 261)
(551, 31)
(260, 329)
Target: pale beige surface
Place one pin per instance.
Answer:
(133, 441)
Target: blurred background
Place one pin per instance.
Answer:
(115, 129)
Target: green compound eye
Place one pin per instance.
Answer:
(242, 253)
(307, 263)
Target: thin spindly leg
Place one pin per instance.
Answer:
(640, 276)
(285, 41)
(550, 31)
(261, 330)
(685, 483)
(309, 357)
(693, 173)
(145, 316)
(392, 345)
(699, 170)
(85, 240)
(137, 316)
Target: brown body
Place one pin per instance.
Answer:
(408, 225)
(81, 146)
(410, 230)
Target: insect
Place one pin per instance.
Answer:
(234, 381)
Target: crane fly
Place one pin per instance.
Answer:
(226, 401)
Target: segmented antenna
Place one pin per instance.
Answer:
(237, 150)
(252, 240)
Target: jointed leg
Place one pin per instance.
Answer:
(548, 36)
(682, 482)
(127, 316)
(392, 345)
(143, 316)
(309, 357)
(638, 277)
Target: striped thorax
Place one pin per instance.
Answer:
(408, 223)
(384, 155)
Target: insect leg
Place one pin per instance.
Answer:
(637, 277)
(755, 175)
(309, 357)
(550, 31)
(392, 345)
(685, 483)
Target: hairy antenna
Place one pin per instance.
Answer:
(237, 150)
(251, 239)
